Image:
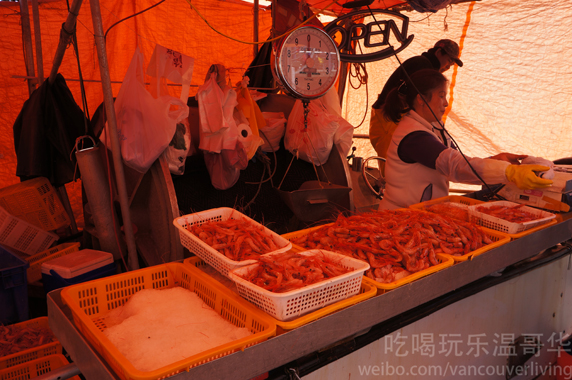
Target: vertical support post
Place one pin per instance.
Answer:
(343, 80)
(273, 31)
(273, 16)
(344, 67)
(38, 37)
(28, 50)
(255, 46)
(112, 130)
(65, 36)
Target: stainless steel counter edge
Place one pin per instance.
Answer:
(330, 329)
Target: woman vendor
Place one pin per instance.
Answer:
(421, 159)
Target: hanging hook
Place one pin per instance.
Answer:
(305, 104)
(75, 148)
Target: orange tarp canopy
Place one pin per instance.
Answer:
(172, 24)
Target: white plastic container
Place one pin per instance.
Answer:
(210, 255)
(77, 267)
(498, 224)
(295, 303)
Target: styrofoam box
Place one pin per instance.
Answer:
(295, 303)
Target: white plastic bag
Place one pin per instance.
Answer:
(167, 64)
(172, 65)
(345, 132)
(145, 125)
(224, 154)
(251, 119)
(326, 126)
(273, 132)
(176, 152)
(218, 129)
(314, 143)
(224, 167)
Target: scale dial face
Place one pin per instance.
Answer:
(307, 62)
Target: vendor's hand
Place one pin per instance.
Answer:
(509, 157)
(525, 178)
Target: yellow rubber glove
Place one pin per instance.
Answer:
(524, 177)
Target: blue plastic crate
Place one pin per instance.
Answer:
(13, 288)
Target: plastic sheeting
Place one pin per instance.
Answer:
(514, 92)
(172, 24)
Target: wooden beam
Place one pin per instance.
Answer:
(28, 50)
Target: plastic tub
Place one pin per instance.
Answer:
(89, 302)
(34, 368)
(498, 239)
(445, 261)
(213, 257)
(457, 200)
(502, 225)
(34, 352)
(366, 291)
(36, 202)
(293, 304)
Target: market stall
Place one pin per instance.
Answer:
(151, 202)
(406, 301)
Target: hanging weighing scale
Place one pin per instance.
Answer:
(306, 64)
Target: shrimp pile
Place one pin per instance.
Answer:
(396, 243)
(289, 271)
(237, 239)
(16, 338)
(450, 209)
(514, 214)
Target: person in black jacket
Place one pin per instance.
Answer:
(440, 57)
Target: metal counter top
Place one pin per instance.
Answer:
(328, 330)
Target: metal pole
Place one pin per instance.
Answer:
(96, 185)
(65, 36)
(112, 130)
(342, 81)
(273, 31)
(344, 67)
(38, 37)
(255, 46)
(28, 50)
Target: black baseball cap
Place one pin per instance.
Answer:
(451, 49)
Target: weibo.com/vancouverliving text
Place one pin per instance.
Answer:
(463, 370)
(453, 356)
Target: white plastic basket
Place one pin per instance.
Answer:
(505, 226)
(23, 236)
(210, 255)
(293, 304)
